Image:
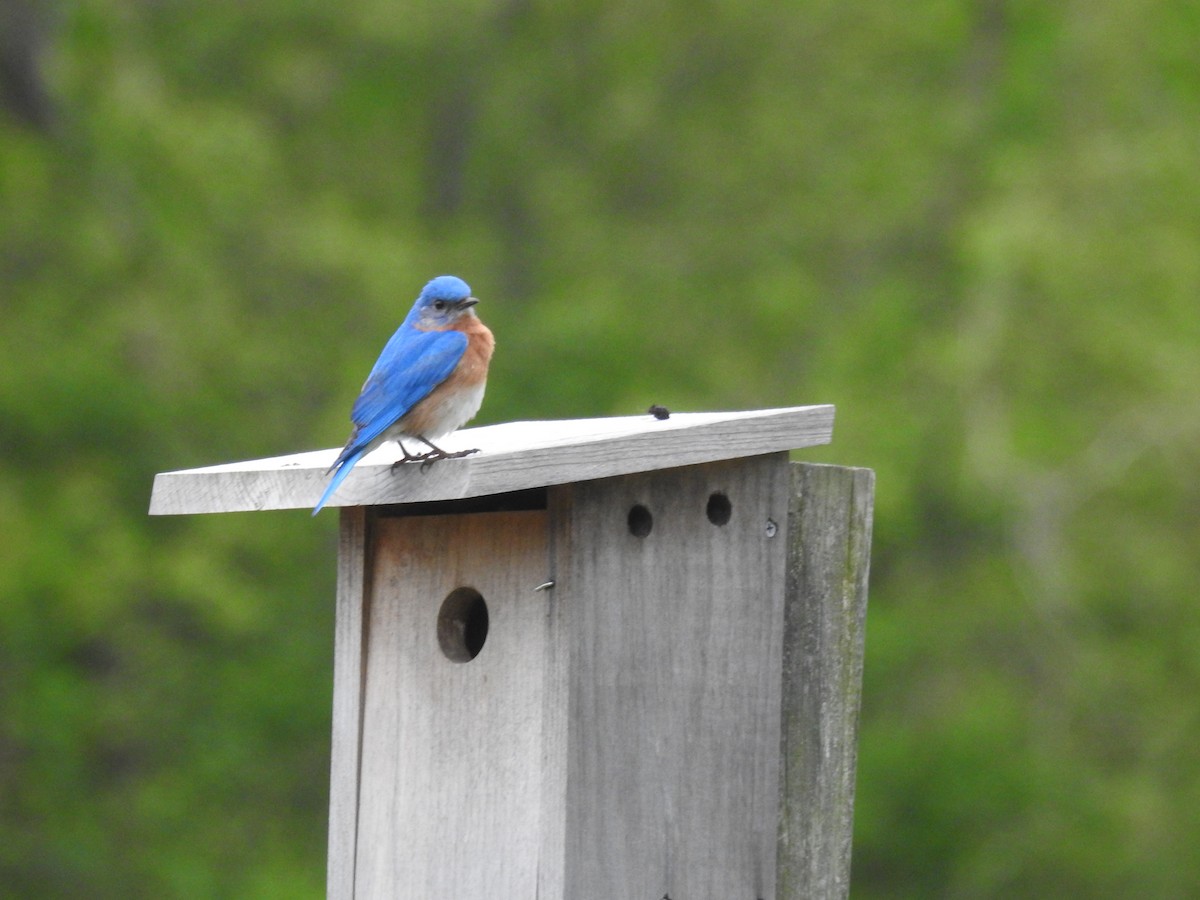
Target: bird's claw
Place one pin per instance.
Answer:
(428, 459)
(409, 457)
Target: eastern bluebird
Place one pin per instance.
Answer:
(427, 382)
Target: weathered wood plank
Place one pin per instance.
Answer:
(514, 456)
(556, 700)
(675, 660)
(450, 799)
(830, 522)
(353, 593)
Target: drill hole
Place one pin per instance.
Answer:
(462, 624)
(719, 509)
(640, 521)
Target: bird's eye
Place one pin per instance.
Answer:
(439, 305)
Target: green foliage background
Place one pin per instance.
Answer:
(974, 226)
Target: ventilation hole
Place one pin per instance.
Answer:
(462, 624)
(640, 521)
(719, 509)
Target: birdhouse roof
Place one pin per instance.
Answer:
(513, 456)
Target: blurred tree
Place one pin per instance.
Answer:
(23, 32)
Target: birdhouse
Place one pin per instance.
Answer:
(601, 658)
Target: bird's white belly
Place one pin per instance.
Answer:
(438, 414)
(457, 410)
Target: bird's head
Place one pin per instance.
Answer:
(441, 303)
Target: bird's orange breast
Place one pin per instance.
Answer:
(472, 368)
(453, 402)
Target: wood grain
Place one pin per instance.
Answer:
(353, 604)
(675, 660)
(830, 519)
(513, 456)
(452, 775)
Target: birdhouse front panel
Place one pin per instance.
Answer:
(455, 646)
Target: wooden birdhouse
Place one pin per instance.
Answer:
(600, 659)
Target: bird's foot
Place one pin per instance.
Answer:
(410, 457)
(428, 459)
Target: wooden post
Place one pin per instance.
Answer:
(829, 517)
(603, 659)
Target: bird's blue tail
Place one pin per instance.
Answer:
(338, 476)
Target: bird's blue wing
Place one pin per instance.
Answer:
(411, 365)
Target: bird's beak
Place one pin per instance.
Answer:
(468, 303)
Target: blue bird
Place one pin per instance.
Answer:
(428, 381)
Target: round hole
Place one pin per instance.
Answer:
(640, 521)
(462, 624)
(719, 509)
